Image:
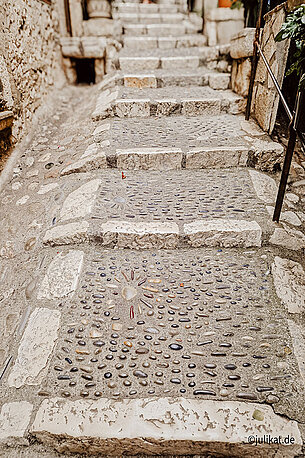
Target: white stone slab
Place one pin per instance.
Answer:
(14, 420)
(87, 164)
(289, 282)
(139, 235)
(67, 234)
(218, 157)
(140, 81)
(180, 62)
(139, 63)
(223, 232)
(162, 426)
(132, 108)
(62, 275)
(149, 159)
(265, 186)
(47, 188)
(297, 333)
(79, 203)
(35, 348)
(289, 238)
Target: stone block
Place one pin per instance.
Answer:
(132, 108)
(223, 233)
(204, 158)
(265, 186)
(192, 426)
(135, 30)
(289, 283)
(14, 420)
(140, 43)
(62, 276)
(139, 63)
(6, 119)
(219, 81)
(89, 163)
(170, 63)
(79, 203)
(67, 234)
(149, 159)
(125, 234)
(102, 27)
(167, 107)
(288, 238)
(242, 43)
(35, 348)
(241, 78)
(140, 81)
(167, 42)
(195, 107)
(165, 30)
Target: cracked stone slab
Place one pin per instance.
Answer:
(159, 426)
(35, 348)
(139, 235)
(14, 421)
(79, 203)
(87, 164)
(149, 159)
(224, 233)
(66, 234)
(265, 186)
(289, 282)
(298, 340)
(289, 238)
(62, 275)
(203, 158)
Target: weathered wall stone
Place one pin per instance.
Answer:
(265, 98)
(30, 51)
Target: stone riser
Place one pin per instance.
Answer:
(219, 81)
(219, 232)
(144, 43)
(150, 18)
(144, 108)
(153, 63)
(154, 30)
(146, 9)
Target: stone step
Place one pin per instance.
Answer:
(185, 77)
(151, 8)
(145, 43)
(217, 207)
(155, 30)
(189, 101)
(152, 63)
(143, 18)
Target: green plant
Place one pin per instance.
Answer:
(294, 28)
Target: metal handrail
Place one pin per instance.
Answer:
(293, 117)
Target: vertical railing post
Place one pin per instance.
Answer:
(68, 17)
(254, 59)
(293, 127)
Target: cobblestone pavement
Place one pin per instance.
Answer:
(148, 302)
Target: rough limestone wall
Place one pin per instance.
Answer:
(30, 52)
(265, 98)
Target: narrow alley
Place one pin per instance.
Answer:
(149, 304)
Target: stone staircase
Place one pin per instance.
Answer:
(160, 314)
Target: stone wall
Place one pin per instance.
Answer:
(241, 51)
(30, 59)
(265, 98)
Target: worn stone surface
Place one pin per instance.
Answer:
(265, 186)
(86, 164)
(149, 159)
(65, 234)
(62, 276)
(139, 235)
(289, 238)
(80, 202)
(35, 348)
(57, 423)
(226, 233)
(289, 282)
(14, 420)
(241, 45)
(203, 158)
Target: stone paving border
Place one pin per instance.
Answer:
(289, 282)
(161, 426)
(14, 420)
